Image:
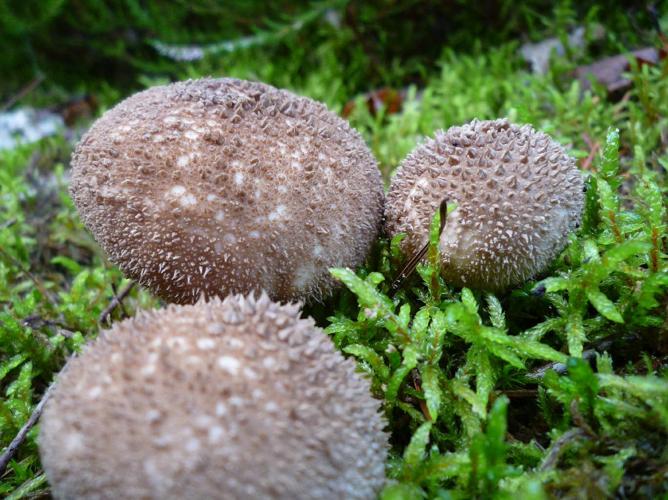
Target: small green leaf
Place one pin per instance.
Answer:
(554, 284)
(575, 333)
(371, 357)
(410, 360)
(10, 364)
(432, 389)
(485, 377)
(420, 323)
(607, 199)
(496, 314)
(610, 157)
(366, 293)
(405, 315)
(69, 264)
(625, 250)
(415, 451)
(604, 305)
(469, 301)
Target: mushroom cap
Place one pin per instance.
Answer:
(218, 186)
(518, 196)
(240, 398)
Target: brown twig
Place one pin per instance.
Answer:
(115, 302)
(35, 322)
(10, 451)
(558, 447)
(36, 281)
(421, 402)
(412, 264)
(124, 312)
(579, 420)
(8, 223)
(593, 149)
(32, 85)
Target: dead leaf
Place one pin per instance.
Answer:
(391, 100)
(77, 108)
(609, 72)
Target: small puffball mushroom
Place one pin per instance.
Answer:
(224, 399)
(518, 196)
(219, 186)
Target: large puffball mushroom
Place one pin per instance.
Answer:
(518, 196)
(232, 399)
(219, 186)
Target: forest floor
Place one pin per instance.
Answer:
(557, 388)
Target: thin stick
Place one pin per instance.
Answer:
(593, 149)
(412, 264)
(9, 453)
(8, 223)
(36, 281)
(558, 447)
(115, 302)
(32, 85)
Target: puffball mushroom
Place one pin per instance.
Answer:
(223, 399)
(518, 195)
(218, 186)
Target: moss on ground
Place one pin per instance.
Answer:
(558, 388)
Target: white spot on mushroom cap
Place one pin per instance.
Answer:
(206, 343)
(215, 434)
(277, 213)
(221, 409)
(73, 442)
(229, 364)
(95, 392)
(303, 276)
(187, 200)
(192, 445)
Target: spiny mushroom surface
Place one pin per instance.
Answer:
(231, 399)
(219, 186)
(518, 196)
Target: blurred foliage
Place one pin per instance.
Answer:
(85, 45)
(557, 388)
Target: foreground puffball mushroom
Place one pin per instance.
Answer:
(518, 196)
(220, 186)
(232, 399)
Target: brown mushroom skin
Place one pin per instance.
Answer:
(233, 399)
(518, 196)
(219, 186)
